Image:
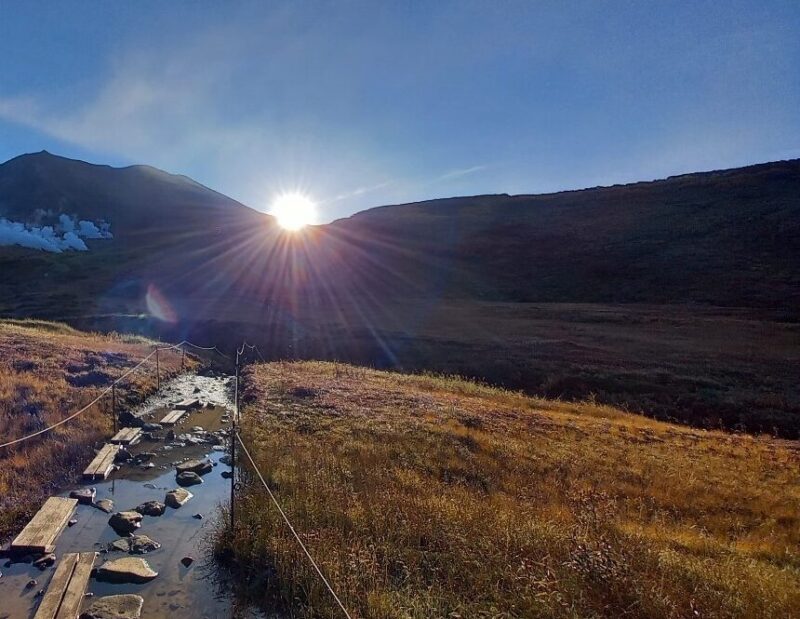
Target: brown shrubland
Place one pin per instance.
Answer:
(428, 496)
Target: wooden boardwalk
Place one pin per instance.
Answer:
(67, 587)
(102, 464)
(188, 404)
(172, 417)
(127, 436)
(40, 534)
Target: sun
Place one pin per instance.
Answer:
(294, 211)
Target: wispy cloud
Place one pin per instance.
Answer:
(358, 191)
(459, 173)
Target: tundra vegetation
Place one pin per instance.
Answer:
(48, 371)
(431, 496)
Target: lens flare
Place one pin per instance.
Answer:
(158, 306)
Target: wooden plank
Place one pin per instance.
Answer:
(127, 436)
(67, 588)
(73, 596)
(40, 534)
(51, 601)
(102, 464)
(171, 418)
(188, 403)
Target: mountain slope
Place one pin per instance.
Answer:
(723, 238)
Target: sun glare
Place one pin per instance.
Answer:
(294, 211)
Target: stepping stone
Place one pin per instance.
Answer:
(126, 606)
(151, 508)
(201, 467)
(105, 505)
(85, 496)
(177, 497)
(125, 522)
(142, 544)
(122, 544)
(126, 570)
(188, 478)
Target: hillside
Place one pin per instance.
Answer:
(726, 238)
(426, 496)
(48, 371)
(676, 298)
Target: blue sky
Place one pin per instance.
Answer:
(367, 103)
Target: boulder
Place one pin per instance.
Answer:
(105, 505)
(125, 522)
(123, 455)
(126, 606)
(188, 478)
(85, 496)
(151, 508)
(177, 497)
(126, 570)
(201, 467)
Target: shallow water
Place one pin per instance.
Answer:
(197, 591)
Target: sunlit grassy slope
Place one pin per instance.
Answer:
(48, 371)
(435, 497)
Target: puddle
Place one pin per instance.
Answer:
(178, 591)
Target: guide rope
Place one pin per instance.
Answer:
(291, 528)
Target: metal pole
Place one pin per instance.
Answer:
(158, 372)
(233, 445)
(114, 406)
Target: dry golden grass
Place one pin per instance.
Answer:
(423, 496)
(48, 371)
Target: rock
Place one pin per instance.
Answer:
(126, 570)
(30, 584)
(196, 390)
(187, 561)
(227, 474)
(201, 467)
(170, 435)
(152, 427)
(197, 429)
(177, 497)
(85, 496)
(142, 544)
(122, 544)
(45, 561)
(125, 606)
(187, 478)
(123, 455)
(105, 505)
(72, 523)
(149, 465)
(151, 508)
(198, 516)
(145, 456)
(226, 459)
(209, 405)
(125, 522)
(151, 436)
